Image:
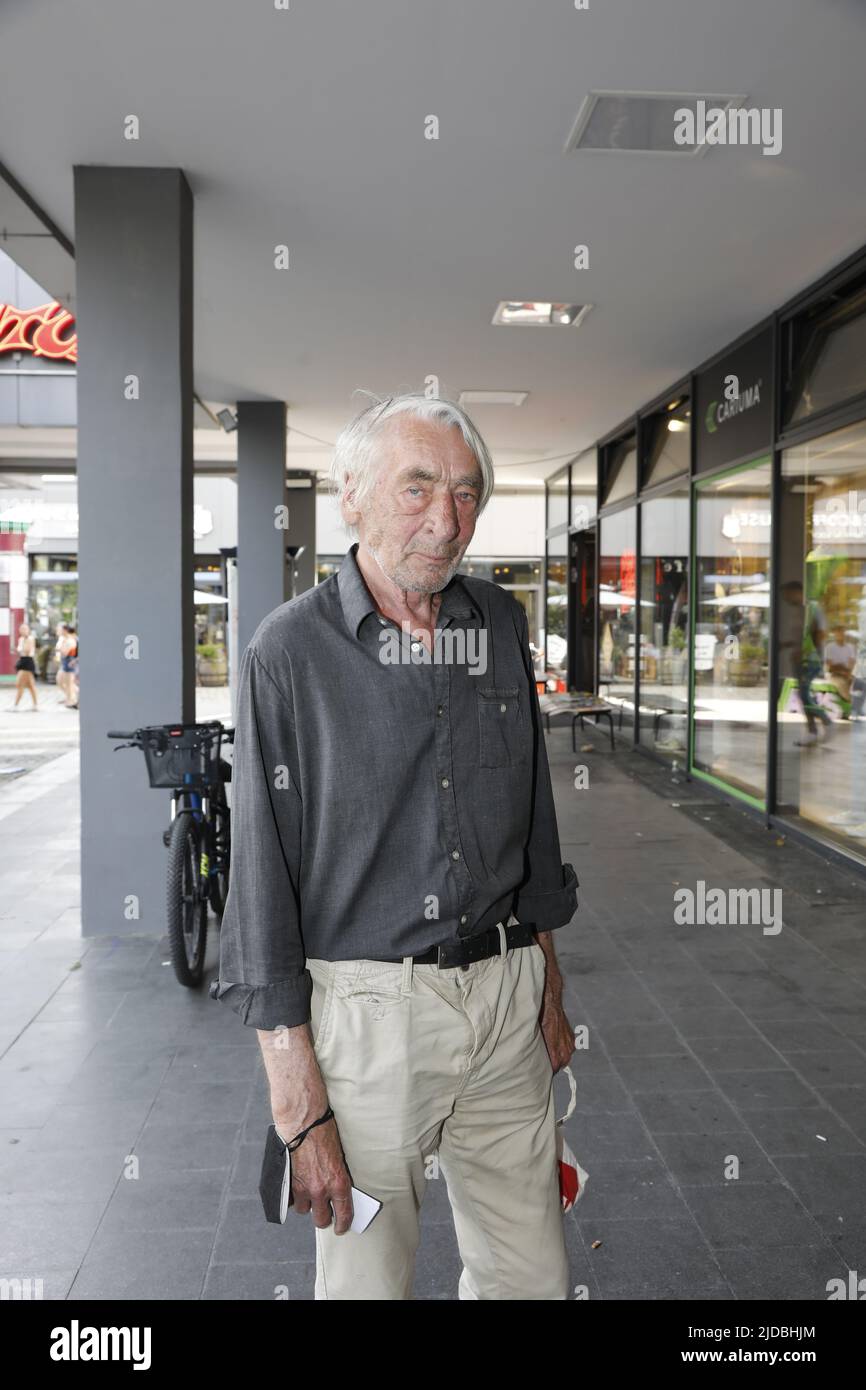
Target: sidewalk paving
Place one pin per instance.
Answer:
(706, 1043)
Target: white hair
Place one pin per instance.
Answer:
(355, 452)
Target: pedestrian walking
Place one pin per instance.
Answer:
(25, 666)
(397, 881)
(72, 667)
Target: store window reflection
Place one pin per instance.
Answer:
(617, 597)
(821, 710)
(732, 597)
(664, 580)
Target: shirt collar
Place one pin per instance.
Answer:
(358, 602)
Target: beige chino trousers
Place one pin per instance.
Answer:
(442, 1074)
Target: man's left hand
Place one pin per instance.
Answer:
(556, 1030)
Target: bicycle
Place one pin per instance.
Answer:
(186, 758)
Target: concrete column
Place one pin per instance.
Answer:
(302, 526)
(263, 576)
(133, 232)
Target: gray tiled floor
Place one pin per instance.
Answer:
(710, 1049)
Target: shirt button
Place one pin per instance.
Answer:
(502, 709)
(440, 709)
(455, 854)
(463, 920)
(445, 781)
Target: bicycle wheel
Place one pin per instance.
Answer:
(221, 849)
(187, 901)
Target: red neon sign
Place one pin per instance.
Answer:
(39, 331)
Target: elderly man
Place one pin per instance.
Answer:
(396, 877)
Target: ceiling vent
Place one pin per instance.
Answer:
(642, 122)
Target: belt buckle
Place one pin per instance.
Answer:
(447, 958)
(442, 960)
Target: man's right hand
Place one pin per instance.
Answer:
(298, 1097)
(320, 1177)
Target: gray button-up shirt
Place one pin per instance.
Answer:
(384, 799)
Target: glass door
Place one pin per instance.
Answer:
(581, 610)
(730, 629)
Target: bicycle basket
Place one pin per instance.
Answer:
(183, 755)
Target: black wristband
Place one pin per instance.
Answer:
(292, 1144)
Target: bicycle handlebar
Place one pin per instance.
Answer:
(228, 735)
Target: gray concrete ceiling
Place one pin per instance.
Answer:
(306, 127)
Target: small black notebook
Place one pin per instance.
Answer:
(275, 1183)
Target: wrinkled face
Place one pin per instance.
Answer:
(420, 515)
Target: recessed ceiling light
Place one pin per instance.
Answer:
(492, 397)
(538, 313)
(638, 122)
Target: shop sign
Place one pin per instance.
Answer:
(47, 331)
(841, 518)
(34, 512)
(628, 573)
(61, 518)
(736, 523)
(733, 409)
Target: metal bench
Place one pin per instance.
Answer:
(588, 707)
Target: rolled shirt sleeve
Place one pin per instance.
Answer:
(262, 973)
(547, 895)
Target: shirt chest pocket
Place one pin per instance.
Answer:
(501, 735)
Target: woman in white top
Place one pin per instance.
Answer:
(26, 665)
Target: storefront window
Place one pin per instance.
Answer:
(49, 604)
(556, 636)
(664, 570)
(617, 594)
(55, 564)
(824, 354)
(822, 636)
(523, 578)
(666, 446)
(619, 464)
(732, 597)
